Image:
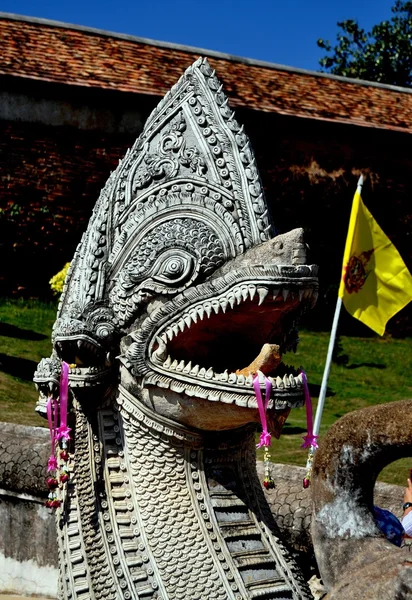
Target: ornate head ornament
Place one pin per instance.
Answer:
(178, 272)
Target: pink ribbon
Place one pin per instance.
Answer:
(51, 411)
(265, 436)
(309, 440)
(63, 432)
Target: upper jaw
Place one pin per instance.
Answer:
(195, 343)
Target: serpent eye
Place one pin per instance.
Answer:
(174, 269)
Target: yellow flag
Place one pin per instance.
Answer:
(375, 281)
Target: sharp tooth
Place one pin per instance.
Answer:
(200, 312)
(299, 380)
(275, 293)
(223, 304)
(249, 380)
(201, 392)
(286, 381)
(231, 299)
(273, 380)
(193, 316)
(209, 373)
(188, 320)
(227, 398)
(208, 309)
(180, 366)
(175, 329)
(195, 370)
(163, 337)
(160, 354)
(216, 306)
(285, 294)
(173, 365)
(241, 379)
(162, 345)
(263, 292)
(308, 293)
(279, 382)
(292, 381)
(224, 376)
(232, 378)
(169, 333)
(300, 295)
(245, 292)
(167, 362)
(187, 368)
(202, 372)
(252, 291)
(79, 344)
(181, 324)
(238, 295)
(239, 401)
(51, 386)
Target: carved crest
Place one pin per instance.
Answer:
(193, 159)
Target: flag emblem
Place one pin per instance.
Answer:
(356, 271)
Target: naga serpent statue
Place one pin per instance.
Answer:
(176, 286)
(355, 559)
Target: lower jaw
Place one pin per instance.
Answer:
(283, 395)
(192, 410)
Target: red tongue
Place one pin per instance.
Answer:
(266, 361)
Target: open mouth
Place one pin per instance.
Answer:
(79, 349)
(213, 348)
(88, 360)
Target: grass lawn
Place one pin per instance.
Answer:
(25, 328)
(375, 370)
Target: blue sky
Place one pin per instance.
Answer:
(282, 32)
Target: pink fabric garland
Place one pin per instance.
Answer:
(51, 411)
(265, 436)
(63, 432)
(309, 440)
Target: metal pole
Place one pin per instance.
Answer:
(324, 385)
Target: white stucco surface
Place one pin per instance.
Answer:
(26, 578)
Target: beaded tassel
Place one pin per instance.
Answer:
(59, 436)
(265, 437)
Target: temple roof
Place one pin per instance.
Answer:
(73, 55)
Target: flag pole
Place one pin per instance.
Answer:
(324, 385)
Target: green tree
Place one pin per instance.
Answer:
(383, 54)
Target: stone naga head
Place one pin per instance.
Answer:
(179, 280)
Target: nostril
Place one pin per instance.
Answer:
(278, 246)
(299, 254)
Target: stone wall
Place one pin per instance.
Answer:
(28, 548)
(291, 506)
